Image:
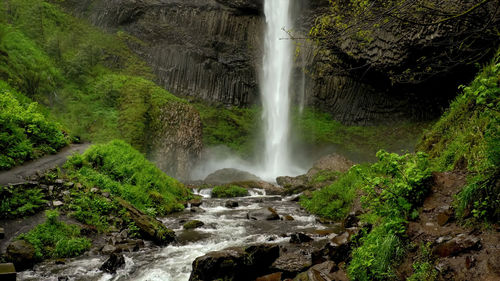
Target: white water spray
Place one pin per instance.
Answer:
(275, 88)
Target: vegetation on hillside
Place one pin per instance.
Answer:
(229, 191)
(56, 239)
(17, 202)
(117, 168)
(26, 131)
(467, 138)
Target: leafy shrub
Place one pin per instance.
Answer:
(334, 201)
(118, 168)
(25, 132)
(228, 191)
(56, 239)
(423, 267)
(19, 202)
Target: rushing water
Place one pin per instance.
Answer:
(223, 228)
(275, 87)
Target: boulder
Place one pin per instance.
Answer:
(232, 204)
(149, 227)
(108, 249)
(229, 175)
(193, 224)
(22, 254)
(292, 263)
(235, 263)
(195, 202)
(333, 162)
(113, 263)
(7, 272)
(263, 214)
(326, 271)
(460, 244)
(298, 238)
(269, 188)
(293, 185)
(270, 277)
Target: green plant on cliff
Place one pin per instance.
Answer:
(26, 132)
(120, 169)
(229, 191)
(20, 201)
(467, 137)
(56, 239)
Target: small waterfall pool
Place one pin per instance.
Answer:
(224, 227)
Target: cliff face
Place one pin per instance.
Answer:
(199, 48)
(211, 50)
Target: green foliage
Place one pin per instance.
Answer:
(232, 127)
(118, 168)
(334, 201)
(25, 132)
(319, 128)
(228, 191)
(423, 267)
(20, 201)
(92, 209)
(56, 239)
(467, 138)
(393, 188)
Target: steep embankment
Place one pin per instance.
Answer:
(92, 83)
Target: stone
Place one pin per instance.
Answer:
(270, 277)
(108, 249)
(298, 238)
(326, 271)
(113, 263)
(94, 190)
(263, 214)
(7, 272)
(59, 181)
(193, 224)
(22, 254)
(235, 263)
(351, 220)
(195, 202)
(57, 203)
(269, 188)
(292, 263)
(231, 204)
(460, 244)
(289, 218)
(444, 215)
(106, 194)
(229, 175)
(149, 227)
(196, 210)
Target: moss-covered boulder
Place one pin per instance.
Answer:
(193, 224)
(149, 227)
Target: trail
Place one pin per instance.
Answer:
(29, 169)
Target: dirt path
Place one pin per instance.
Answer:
(461, 253)
(29, 169)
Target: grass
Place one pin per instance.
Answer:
(92, 209)
(56, 239)
(334, 201)
(26, 132)
(123, 171)
(228, 191)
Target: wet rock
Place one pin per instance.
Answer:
(190, 236)
(460, 244)
(21, 253)
(270, 189)
(63, 278)
(327, 271)
(7, 272)
(289, 218)
(293, 185)
(108, 249)
(351, 220)
(263, 214)
(149, 227)
(60, 261)
(113, 263)
(271, 277)
(235, 263)
(292, 263)
(193, 224)
(132, 245)
(196, 210)
(2, 233)
(229, 175)
(195, 202)
(232, 204)
(298, 238)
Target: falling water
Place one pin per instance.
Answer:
(275, 87)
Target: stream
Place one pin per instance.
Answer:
(224, 227)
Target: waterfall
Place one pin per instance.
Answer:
(275, 88)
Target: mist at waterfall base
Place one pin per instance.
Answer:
(275, 153)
